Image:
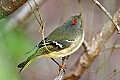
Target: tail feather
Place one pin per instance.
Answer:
(26, 63)
(22, 65)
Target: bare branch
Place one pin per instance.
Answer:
(7, 7)
(96, 46)
(85, 45)
(62, 68)
(24, 12)
(113, 73)
(107, 13)
(60, 75)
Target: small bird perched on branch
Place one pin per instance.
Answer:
(63, 41)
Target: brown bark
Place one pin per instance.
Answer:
(7, 7)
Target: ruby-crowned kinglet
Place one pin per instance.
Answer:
(63, 41)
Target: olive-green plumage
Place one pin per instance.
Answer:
(63, 41)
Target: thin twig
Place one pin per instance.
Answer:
(107, 13)
(60, 75)
(113, 49)
(34, 14)
(117, 46)
(40, 17)
(62, 69)
(113, 73)
(24, 13)
(41, 23)
(105, 62)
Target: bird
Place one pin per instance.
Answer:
(63, 41)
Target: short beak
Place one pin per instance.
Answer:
(80, 15)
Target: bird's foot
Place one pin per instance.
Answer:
(62, 67)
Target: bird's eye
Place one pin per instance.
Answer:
(74, 21)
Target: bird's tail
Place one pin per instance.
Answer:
(26, 63)
(29, 60)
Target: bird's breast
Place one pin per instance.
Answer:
(67, 51)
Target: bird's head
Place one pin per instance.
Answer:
(75, 21)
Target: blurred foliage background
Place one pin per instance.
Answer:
(13, 45)
(23, 37)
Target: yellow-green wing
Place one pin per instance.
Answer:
(39, 52)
